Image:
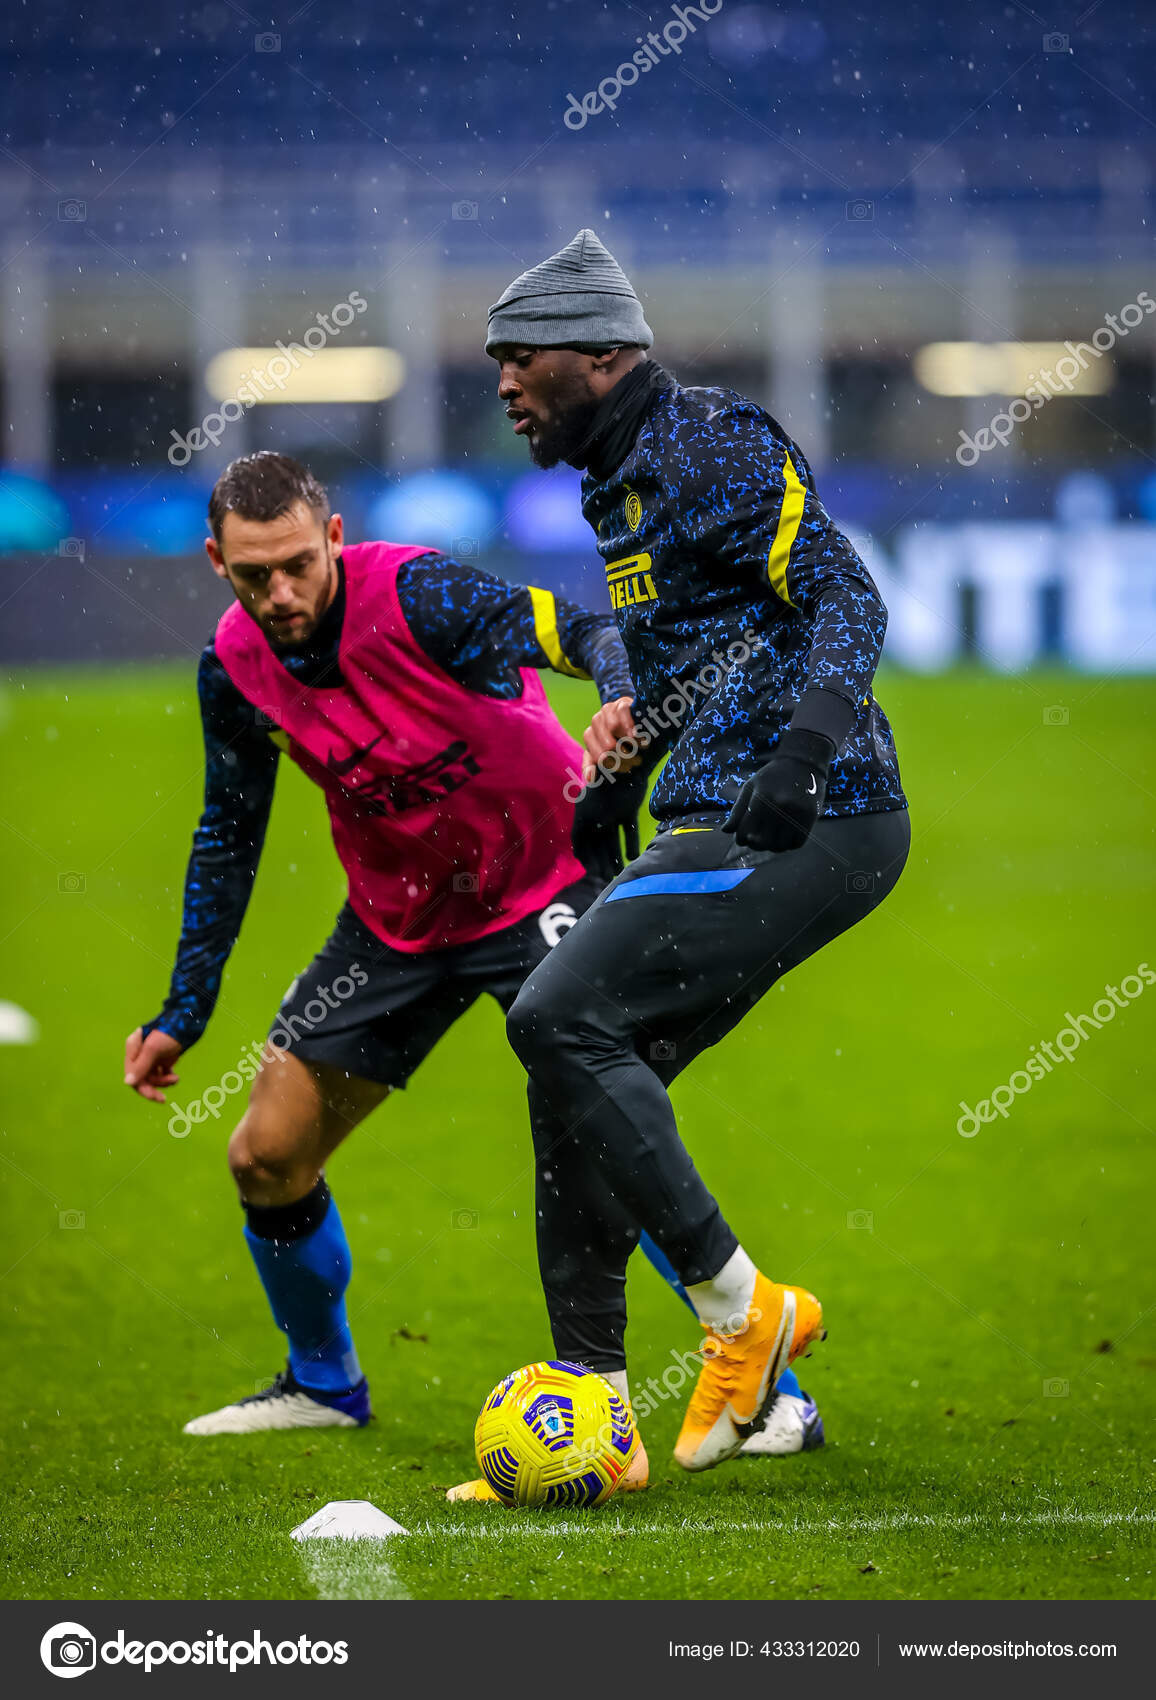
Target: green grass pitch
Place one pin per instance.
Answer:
(988, 1381)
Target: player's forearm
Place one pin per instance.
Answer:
(192, 994)
(849, 623)
(597, 648)
(240, 774)
(779, 805)
(217, 890)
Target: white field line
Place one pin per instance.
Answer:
(544, 1527)
(351, 1570)
(360, 1569)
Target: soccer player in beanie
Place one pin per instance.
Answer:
(753, 631)
(405, 685)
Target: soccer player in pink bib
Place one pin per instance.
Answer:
(406, 686)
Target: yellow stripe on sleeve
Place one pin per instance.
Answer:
(790, 515)
(546, 631)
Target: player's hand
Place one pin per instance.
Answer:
(148, 1063)
(613, 723)
(605, 831)
(778, 806)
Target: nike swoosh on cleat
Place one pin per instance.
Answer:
(813, 787)
(755, 1424)
(746, 1429)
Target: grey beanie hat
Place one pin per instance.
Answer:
(579, 295)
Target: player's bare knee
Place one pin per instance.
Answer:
(265, 1167)
(241, 1160)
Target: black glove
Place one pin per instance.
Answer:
(778, 805)
(604, 812)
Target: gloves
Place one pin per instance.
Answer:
(778, 805)
(601, 813)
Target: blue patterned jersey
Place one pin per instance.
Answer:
(477, 627)
(735, 592)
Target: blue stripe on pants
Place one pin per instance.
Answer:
(651, 885)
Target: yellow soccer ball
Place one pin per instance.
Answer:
(554, 1434)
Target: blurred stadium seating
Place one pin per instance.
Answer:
(806, 198)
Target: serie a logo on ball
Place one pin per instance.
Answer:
(554, 1434)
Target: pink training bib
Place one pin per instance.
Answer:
(447, 808)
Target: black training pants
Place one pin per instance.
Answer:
(671, 956)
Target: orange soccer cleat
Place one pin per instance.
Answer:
(737, 1380)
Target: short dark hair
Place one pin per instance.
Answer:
(264, 486)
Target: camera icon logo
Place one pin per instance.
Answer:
(859, 212)
(464, 547)
(860, 882)
(72, 548)
(464, 1218)
(72, 211)
(1056, 715)
(464, 211)
(67, 1649)
(1055, 1388)
(465, 882)
(1055, 43)
(71, 1219)
(267, 42)
(863, 1219)
(663, 1050)
(70, 885)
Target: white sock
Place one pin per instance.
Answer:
(722, 1304)
(617, 1380)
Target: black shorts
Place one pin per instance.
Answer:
(376, 1012)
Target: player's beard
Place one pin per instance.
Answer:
(285, 644)
(568, 436)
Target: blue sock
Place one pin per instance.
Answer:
(787, 1383)
(302, 1257)
(665, 1268)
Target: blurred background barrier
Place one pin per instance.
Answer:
(1006, 595)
